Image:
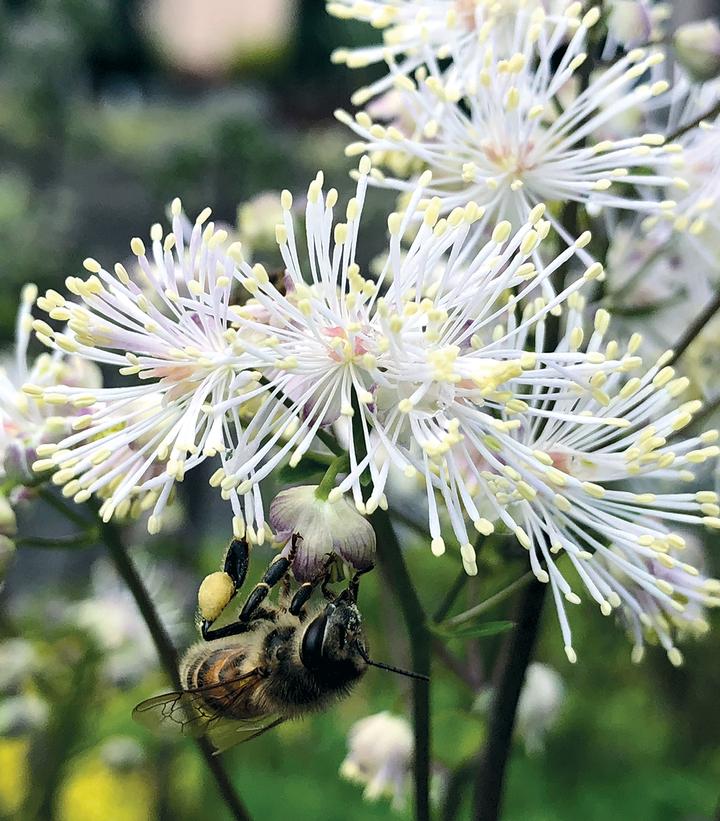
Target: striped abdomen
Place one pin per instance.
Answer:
(218, 673)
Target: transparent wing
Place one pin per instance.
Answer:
(189, 712)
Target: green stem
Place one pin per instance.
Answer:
(393, 563)
(695, 328)
(339, 464)
(457, 586)
(450, 596)
(69, 511)
(515, 657)
(168, 657)
(489, 603)
(81, 540)
(683, 129)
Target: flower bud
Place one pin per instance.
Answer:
(22, 714)
(697, 46)
(629, 22)
(8, 524)
(540, 702)
(257, 219)
(18, 661)
(122, 753)
(325, 528)
(7, 554)
(379, 756)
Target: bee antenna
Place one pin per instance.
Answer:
(389, 667)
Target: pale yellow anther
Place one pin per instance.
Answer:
(501, 232)
(484, 526)
(137, 246)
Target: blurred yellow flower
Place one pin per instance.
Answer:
(13, 774)
(96, 792)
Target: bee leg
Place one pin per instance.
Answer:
(303, 593)
(354, 585)
(237, 560)
(276, 572)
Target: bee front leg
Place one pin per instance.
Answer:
(276, 572)
(303, 593)
(354, 585)
(218, 589)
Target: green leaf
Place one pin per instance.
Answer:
(309, 471)
(472, 630)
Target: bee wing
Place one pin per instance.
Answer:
(228, 732)
(189, 713)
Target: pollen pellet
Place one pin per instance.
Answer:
(214, 593)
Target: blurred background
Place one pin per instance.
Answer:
(108, 110)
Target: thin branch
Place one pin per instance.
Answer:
(683, 129)
(515, 657)
(168, 657)
(496, 598)
(707, 410)
(450, 596)
(453, 664)
(393, 563)
(80, 540)
(70, 512)
(695, 328)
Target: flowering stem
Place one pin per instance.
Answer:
(515, 657)
(110, 536)
(683, 129)
(338, 464)
(70, 512)
(696, 327)
(393, 563)
(496, 598)
(123, 564)
(81, 540)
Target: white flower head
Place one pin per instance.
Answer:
(111, 616)
(505, 143)
(633, 23)
(561, 479)
(257, 219)
(541, 700)
(658, 283)
(175, 341)
(462, 31)
(379, 756)
(657, 620)
(325, 529)
(26, 422)
(413, 359)
(697, 191)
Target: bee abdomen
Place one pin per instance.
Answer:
(219, 675)
(219, 666)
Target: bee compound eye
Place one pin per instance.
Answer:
(312, 643)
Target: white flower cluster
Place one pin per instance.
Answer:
(466, 361)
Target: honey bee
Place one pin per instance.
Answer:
(272, 664)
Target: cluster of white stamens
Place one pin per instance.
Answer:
(463, 31)
(501, 139)
(169, 332)
(435, 367)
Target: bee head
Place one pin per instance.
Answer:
(332, 640)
